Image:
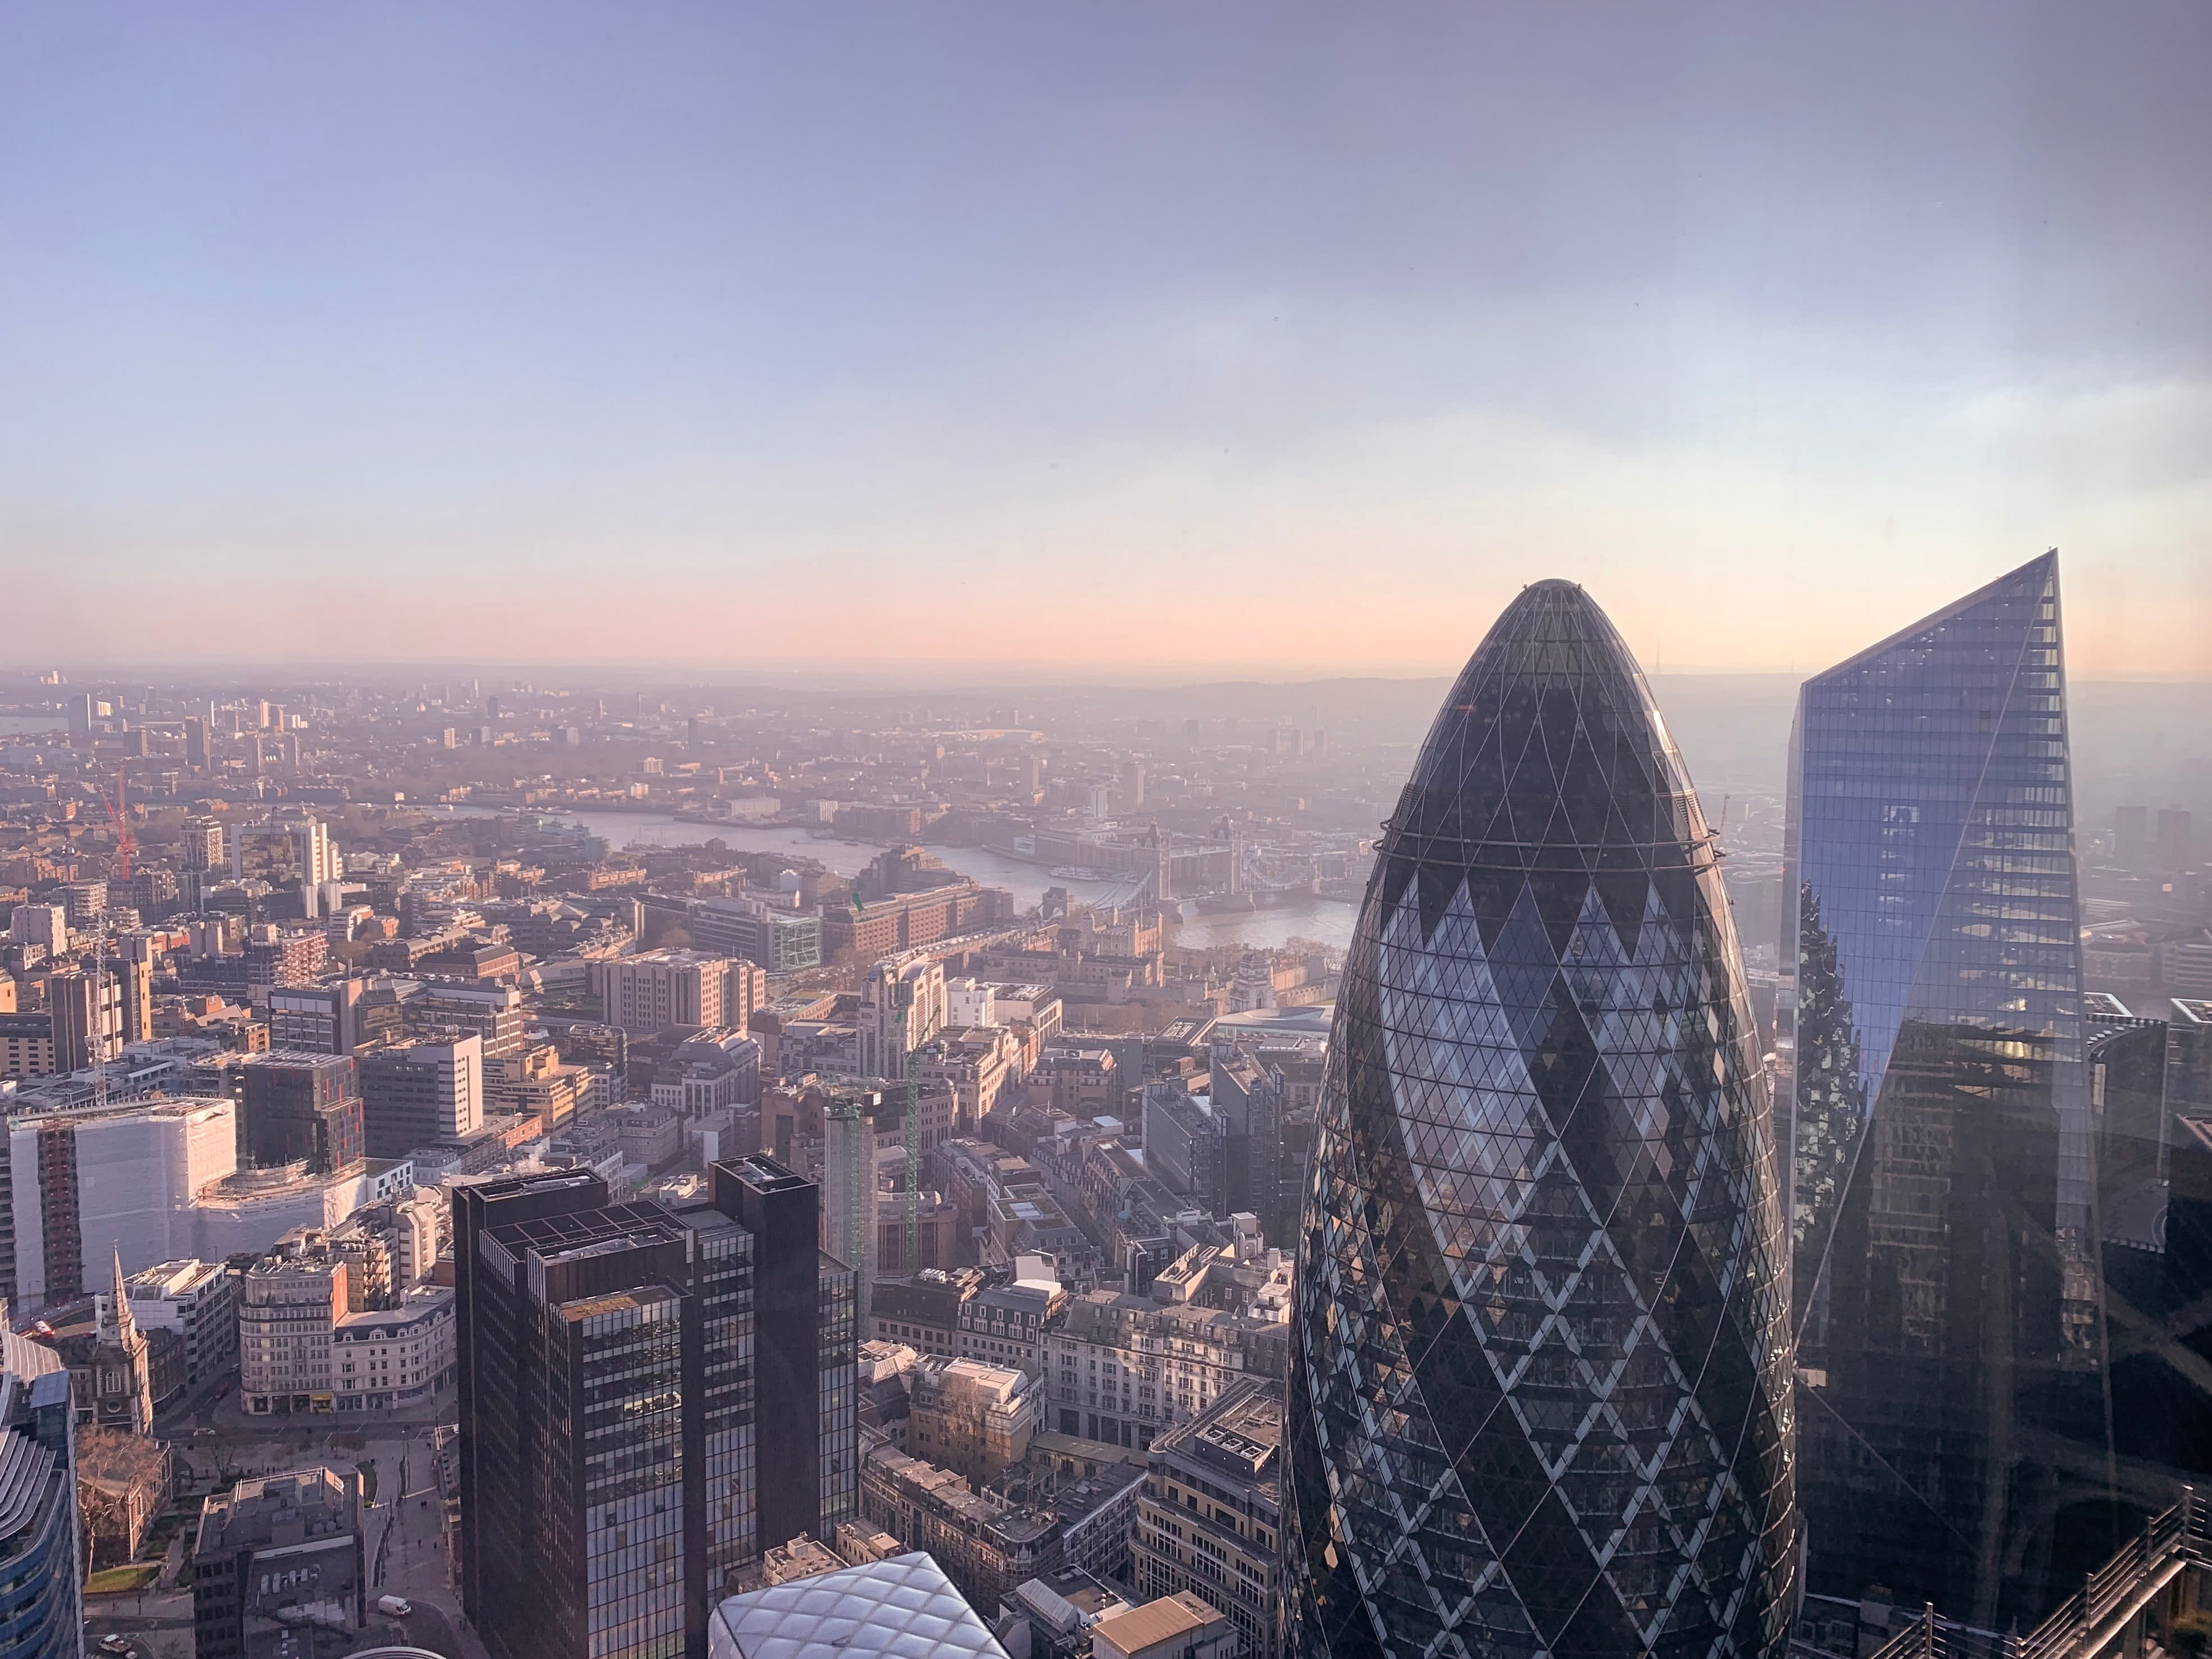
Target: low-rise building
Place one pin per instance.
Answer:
(801, 1558)
(715, 1071)
(923, 1311)
(387, 1358)
(535, 1082)
(1179, 1627)
(290, 1301)
(198, 1301)
(890, 1608)
(276, 1554)
(975, 1062)
(124, 1481)
(1061, 1609)
(651, 1135)
(992, 1540)
(1125, 1369)
(1008, 1324)
(324, 1327)
(973, 1419)
(1210, 1520)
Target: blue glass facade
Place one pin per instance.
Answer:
(1944, 1251)
(41, 1601)
(1539, 1398)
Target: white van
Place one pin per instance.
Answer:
(394, 1607)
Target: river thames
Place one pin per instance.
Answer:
(1326, 920)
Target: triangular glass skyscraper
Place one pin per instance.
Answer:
(1945, 1287)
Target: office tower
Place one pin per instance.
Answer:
(2131, 837)
(42, 1591)
(45, 926)
(196, 745)
(1539, 1397)
(277, 1555)
(135, 990)
(77, 706)
(88, 1019)
(201, 846)
(155, 893)
(2173, 848)
(302, 1107)
(80, 1186)
(83, 901)
(648, 1398)
(1133, 785)
(849, 1185)
(1945, 1276)
(802, 1303)
(314, 852)
(416, 1092)
(322, 1019)
(663, 989)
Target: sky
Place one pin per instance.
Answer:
(1213, 339)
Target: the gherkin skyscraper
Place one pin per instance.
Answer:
(1539, 1394)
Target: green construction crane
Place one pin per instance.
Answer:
(913, 1148)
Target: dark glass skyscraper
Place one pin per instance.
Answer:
(1944, 1245)
(1540, 1396)
(649, 1398)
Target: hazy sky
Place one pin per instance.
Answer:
(1191, 337)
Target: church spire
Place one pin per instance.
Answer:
(125, 1326)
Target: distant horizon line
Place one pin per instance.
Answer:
(939, 675)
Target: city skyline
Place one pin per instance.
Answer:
(1254, 831)
(1013, 316)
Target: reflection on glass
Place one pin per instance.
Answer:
(1944, 1275)
(1540, 1399)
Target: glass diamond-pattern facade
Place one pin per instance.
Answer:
(1945, 1280)
(1540, 1389)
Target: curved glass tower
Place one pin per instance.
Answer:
(1539, 1394)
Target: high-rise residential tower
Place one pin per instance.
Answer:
(1539, 1398)
(1945, 1277)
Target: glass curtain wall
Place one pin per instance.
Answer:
(1945, 1277)
(1539, 1398)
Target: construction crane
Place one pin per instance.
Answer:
(913, 1146)
(125, 844)
(116, 805)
